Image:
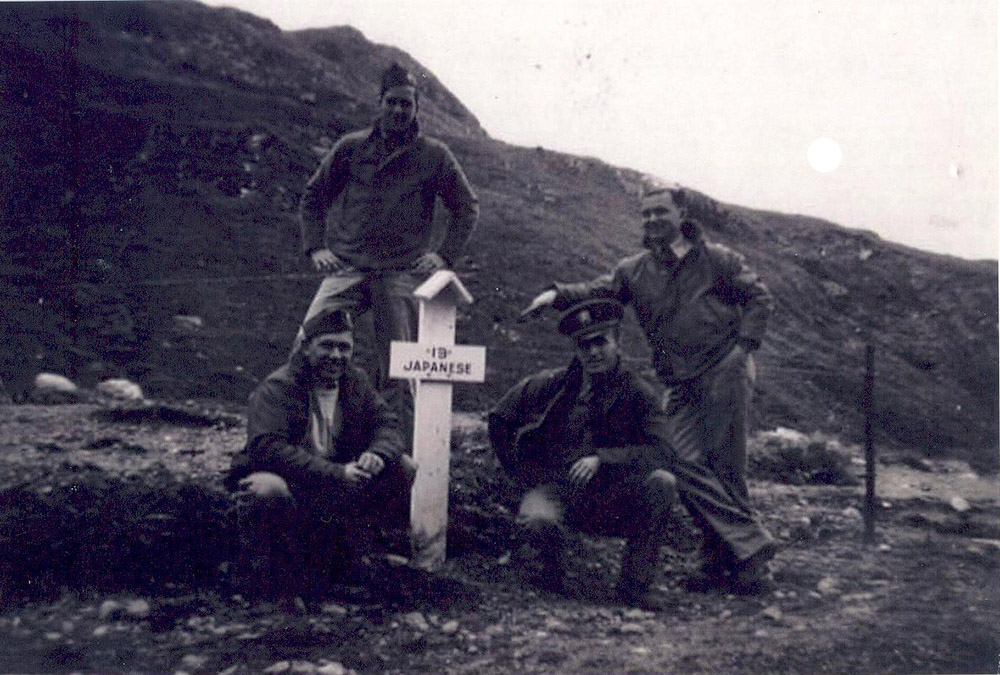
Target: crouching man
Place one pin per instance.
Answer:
(323, 468)
(586, 444)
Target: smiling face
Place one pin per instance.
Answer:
(398, 109)
(598, 352)
(661, 223)
(328, 355)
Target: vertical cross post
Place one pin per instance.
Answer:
(435, 362)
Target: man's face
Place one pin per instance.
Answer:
(399, 108)
(598, 352)
(329, 354)
(661, 222)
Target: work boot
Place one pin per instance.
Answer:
(753, 576)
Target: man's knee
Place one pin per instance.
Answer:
(660, 487)
(264, 486)
(540, 513)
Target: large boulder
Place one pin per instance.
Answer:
(52, 388)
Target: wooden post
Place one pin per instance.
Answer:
(435, 363)
(867, 403)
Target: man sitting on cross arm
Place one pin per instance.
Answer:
(322, 469)
(585, 443)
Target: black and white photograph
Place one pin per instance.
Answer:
(555, 336)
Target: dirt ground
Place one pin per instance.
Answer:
(923, 598)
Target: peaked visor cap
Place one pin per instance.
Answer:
(590, 316)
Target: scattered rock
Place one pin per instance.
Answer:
(416, 620)
(110, 610)
(636, 614)
(959, 504)
(121, 390)
(137, 609)
(188, 323)
(726, 613)
(827, 586)
(50, 388)
(279, 667)
(331, 669)
(555, 625)
(449, 627)
(334, 610)
(100, 631)
(852, 513)
(305, 667)
(773, 612)
(194, 661)
(631, 629)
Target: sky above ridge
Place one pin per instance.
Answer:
(878, 114)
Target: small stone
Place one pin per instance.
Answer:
(194, 661)
(773, 612)
(827, 586)
(305, 667)
(110, 609)
(450, 627)
(279, 667)
(100, 631)
(416, 620)
(959, 504)
(231, 670)
(504, 559)
(884, 548)
(334, 610)
(331, 669)
(726, 613)
(53, 636)
(852, 513)
(631, 629)
(636, 614)
(137, 609)
(397, 560)
(120, 390)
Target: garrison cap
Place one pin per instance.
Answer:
(327, 321)
(396, 76)
(590, 316)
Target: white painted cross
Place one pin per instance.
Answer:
(435, 362)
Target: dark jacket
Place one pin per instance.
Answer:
(380, 202)
(278, 429)
(693, 313)
(527, 424)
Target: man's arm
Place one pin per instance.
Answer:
(386, 443)
(460, 200)
(746, 288)
(320, 192)
(269, 430)
(561, 296)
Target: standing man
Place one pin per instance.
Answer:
(704, 313)
(323, 467)
(586, 442)
(367, 219)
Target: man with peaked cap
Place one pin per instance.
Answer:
(367, 218)
(323, 466)
(587, 445)
(704, 313)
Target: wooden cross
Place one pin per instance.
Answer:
(435, 362)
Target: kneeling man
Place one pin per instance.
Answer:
(587, 444)
(323, 466)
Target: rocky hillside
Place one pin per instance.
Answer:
(155, 153)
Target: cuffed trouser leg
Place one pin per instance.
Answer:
(708, 419)
(652, 507)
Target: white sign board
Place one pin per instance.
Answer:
(442, 363)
